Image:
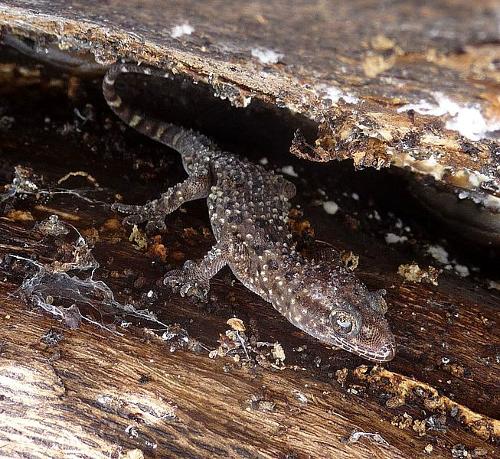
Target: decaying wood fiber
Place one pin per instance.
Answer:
(407, 83)
(99, 382)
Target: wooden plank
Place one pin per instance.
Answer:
(95, 393)
(412, 84)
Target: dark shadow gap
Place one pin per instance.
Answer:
(257, 131)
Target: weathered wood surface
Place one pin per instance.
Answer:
(94, 393)
(344, 68)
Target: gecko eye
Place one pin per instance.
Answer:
(344, 322)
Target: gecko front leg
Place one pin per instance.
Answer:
(196, 186)
(194, 278)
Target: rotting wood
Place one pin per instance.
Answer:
(384, 87)
(95, 393)
(137, 394)
(403, 387)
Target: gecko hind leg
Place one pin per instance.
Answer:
(194, 278)
(196, 186)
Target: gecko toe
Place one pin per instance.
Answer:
(186, 290)
(194, 290)
(186, 283)
(140, 214)
(155, 225)
(133, 219)
(173, 279)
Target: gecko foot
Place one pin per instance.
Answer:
(139, 214)
(188, 282)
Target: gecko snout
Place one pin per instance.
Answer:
(386, 353)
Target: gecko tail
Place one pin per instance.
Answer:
(187, 142)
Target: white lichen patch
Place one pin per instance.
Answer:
(334, 94)
(266, 55)
(181, 30)
(330, 207)
(438, 253)
(467, 120)
(289, 170)
(391, 238)
(461, 270)
(441, 256)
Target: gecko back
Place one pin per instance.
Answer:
(248, 209)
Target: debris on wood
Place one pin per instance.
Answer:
(380, 98)
(414, 273)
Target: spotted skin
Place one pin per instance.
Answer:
(248, 208)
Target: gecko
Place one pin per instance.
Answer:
(248, 208)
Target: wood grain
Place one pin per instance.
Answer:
(98, 393)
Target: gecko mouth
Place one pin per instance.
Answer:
(383, 354)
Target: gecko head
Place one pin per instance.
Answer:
(350, 317)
